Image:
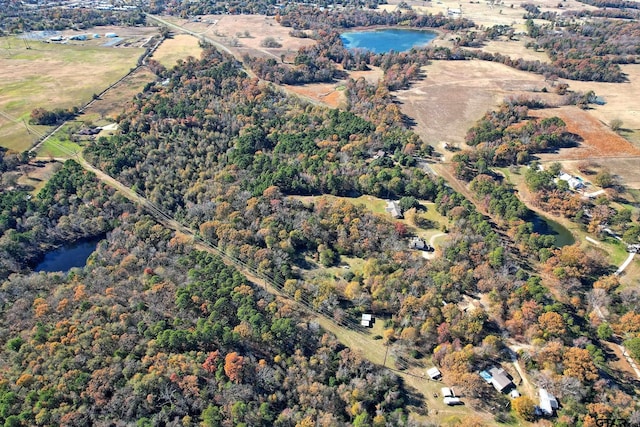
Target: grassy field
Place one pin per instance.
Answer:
(180, 46)
(59, 145)
(52, 76)
(113, 103)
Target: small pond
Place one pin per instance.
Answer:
(545, 225)
(69, 256)
(381, 41)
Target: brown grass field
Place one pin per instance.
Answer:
(621, 100)
(227, 29)
(455, 94)
(179, 46)
(111, 104)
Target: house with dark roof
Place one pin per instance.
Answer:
(500, 380)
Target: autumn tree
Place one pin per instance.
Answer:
(233, 366)
(524, 407)
(578, 364)
(552, 324)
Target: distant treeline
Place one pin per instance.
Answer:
(14, 18)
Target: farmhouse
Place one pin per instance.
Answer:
(394, 209)
(574, 182)
(548, 402)
(417, 243)
(500, 380)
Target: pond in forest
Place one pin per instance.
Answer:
(381, 41)
(69, 256)
(544, 225)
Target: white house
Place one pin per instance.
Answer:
(548, 402)
(574, 183)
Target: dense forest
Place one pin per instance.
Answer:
(154, 331)
(226, 154)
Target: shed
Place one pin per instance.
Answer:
(110, 35)
(548, 402)
(417, 243)
(451, 401)
(500, 380)
(367, 320)
(447, 392)
(434, 373)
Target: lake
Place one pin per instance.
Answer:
(544, 225)
(69, 256)
(381, 41)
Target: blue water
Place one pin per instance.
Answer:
(381, 41)
(68, 256)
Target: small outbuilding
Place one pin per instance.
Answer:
(110, 35)
(367, 320)
(434, 373)
(452, 401)
(394, 209)
(447, 392)
(548, 402)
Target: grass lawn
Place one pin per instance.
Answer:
(52, 76)
(59, 146)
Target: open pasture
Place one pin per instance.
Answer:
(244, 34)
(455, 94)
(50, 76)
(180, 46)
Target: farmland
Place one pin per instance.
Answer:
(177, 47)
(52, 76)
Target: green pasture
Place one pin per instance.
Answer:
(50, 76)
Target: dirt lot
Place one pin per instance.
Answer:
(454, 95)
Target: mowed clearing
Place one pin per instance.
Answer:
(53, 76)
(455, 94)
